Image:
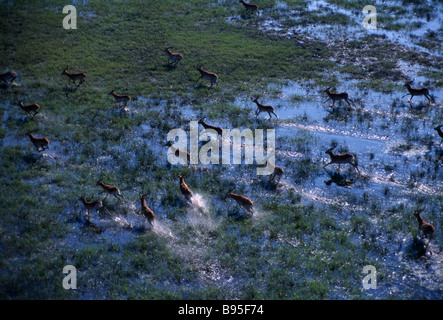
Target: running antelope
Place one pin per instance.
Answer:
(91, 205)
(242, 201)
(208, 126)
(8, 76)
(249, 6)
(146, 211)
(439, 131)
(31, 109)
(75, 76)
(264, 108)
(186, 192)
(122, 99)
(423, 226)
(207, 75)
(38, 143)
(337, 97)
(174, 57)
(417, 91)
(278, 172)
(111, 190)
(341, 159)
(178, 151)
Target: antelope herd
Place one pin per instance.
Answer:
(42, 144)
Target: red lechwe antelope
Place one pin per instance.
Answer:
(423, 226)
(31, 109)
(122, 99)
(338, 97)
(38, 143)
(91, 205)
(439, 131)
(208, 126)
(174, 57)
(177, 151)
(264, 108)
(75, 76)
(249, 6)
(111, 190)
(278, 172)
(417, 91)
(8, 76)
(242, 201)
(184, 189)
(341, 159)
(207, 75)
(146, 211)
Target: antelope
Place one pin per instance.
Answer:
(174, 57)
(417, 92)
(38, 143)
(338, 97)
(249, 6)
(208, 126)
(8, 75)
(75, 76)
(91, 205)
(146, 211)
(31, 109)
(111, 190)
(123, 99)
(341, 159)
(177, 151)
(186, 192)
(242, 201)
(278, 172)
(207, 75)
(263, 108)
(439, 131)
(423, 226)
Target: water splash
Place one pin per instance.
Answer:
(162, 229)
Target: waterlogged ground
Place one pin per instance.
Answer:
(311, 234)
